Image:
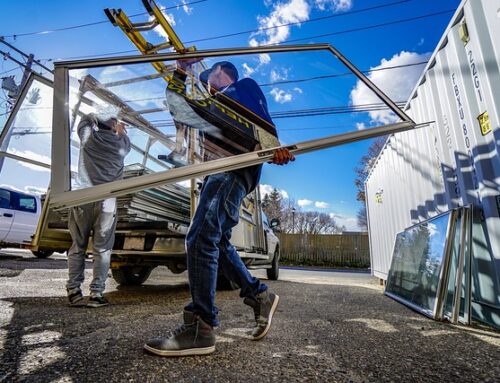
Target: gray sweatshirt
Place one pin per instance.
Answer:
(102, 153)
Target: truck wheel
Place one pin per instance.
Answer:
(225, 284)
(42, 253)
(131, 275)
(274, 272)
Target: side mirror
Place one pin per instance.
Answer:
(274, 223)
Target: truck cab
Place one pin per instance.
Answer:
(19, 215)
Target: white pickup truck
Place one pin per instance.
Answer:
(19, 215)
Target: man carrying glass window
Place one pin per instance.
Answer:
(208, 240)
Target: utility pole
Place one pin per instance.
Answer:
(28, 68)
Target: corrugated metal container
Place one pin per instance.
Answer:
(453, 162)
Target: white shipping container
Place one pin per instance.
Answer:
(454, 161)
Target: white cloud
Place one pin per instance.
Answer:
(432, 229)
(280, 96)
(396, 83)
(140, 93)
(33, 156)
(298, 90)
(350, 223)
(293, 11)
(267, 189)
(35, 189)
(247, 70)
(78, 73)
(112, 71)
(321, 205)
(186, 8)
(279, 75)
(334, 5)
(360, 125)
(264, 58)
(33, 167)
(421, 42)
(185, 184)
(304, 202)
(171, 20)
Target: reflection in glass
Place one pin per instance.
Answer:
(29, 136)
(417, 261)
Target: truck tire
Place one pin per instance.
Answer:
(131, 275)
(274, 272)
(42, 253)
(225, 284)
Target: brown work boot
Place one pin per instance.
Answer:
(263, 307)
(193, 337)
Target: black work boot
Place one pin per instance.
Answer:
(194, 337)
(263, 308)
(75, 297)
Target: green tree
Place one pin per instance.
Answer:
(362, 171)
(272, 204)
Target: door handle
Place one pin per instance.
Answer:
(8, 215)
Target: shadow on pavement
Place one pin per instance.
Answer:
(320, 333)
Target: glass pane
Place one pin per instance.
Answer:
(221, 107)
(448, 304)
(33, 179)
(30, 134)
(27, 204)
(5, 199)
(417, 261)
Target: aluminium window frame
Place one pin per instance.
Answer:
(61, 194)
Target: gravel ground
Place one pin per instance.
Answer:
(332, 328)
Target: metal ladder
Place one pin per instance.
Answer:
(133, 31)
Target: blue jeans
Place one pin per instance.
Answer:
(208, 247)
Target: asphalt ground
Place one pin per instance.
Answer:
(329, 327)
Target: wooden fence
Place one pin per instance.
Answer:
(343, 250)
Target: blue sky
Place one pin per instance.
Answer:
(321, 181)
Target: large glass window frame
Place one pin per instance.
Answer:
(451, 298)
(61, 194)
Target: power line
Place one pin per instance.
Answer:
(14, 36)
(360, 108)
(344, 109)
(300, 22)
(370, 26)
(7, 55)
(10, 70)
(287, 41)
(305, 79)
(340, 74)
(29, 57)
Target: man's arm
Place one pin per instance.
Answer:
(85, 127)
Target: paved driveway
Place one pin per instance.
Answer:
(330, 327)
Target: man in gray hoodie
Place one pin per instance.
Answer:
(104, 145)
